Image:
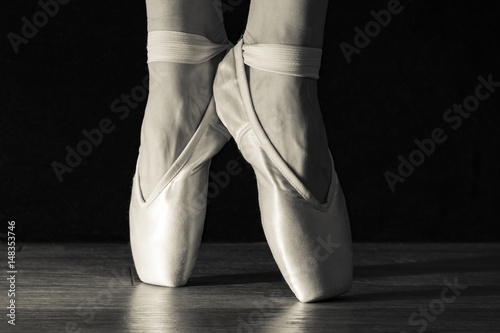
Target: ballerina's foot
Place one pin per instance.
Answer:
(178, 98)
(289, 112)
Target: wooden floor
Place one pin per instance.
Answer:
(238, 288)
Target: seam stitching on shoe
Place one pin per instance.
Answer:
(245, 128)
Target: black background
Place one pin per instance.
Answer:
(395, 91)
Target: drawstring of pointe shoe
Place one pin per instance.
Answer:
(284, 59)
(182, 47)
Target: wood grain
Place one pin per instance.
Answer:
(238, 288)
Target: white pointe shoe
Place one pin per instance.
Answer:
(310, 240)
(166, 227)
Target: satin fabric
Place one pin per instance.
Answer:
(166, 227)
(310, 240)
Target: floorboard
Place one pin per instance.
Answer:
(238, 288)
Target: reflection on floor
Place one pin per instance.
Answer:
(238, 288)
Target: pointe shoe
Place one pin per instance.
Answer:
(166, 227)
(310, 240)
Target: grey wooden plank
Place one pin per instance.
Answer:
(237, 287)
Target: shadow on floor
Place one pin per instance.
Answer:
(232, 279)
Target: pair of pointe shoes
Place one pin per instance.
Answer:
(310, 240)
